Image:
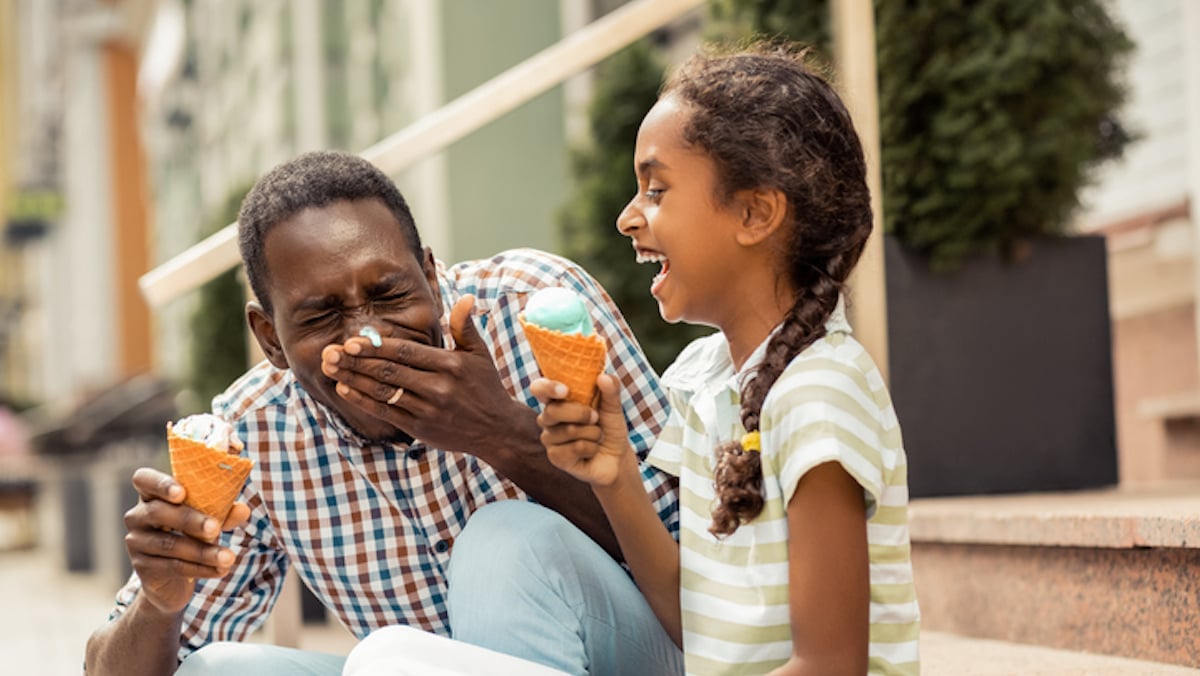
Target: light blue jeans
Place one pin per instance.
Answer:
(523, 581)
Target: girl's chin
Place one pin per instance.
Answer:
(668, 315)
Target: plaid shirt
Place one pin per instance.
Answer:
(369, 527)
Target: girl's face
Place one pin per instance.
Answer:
(676, 220)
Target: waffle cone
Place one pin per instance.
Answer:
(213, 478)
(571, 359)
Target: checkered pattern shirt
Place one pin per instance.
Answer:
(369, 527)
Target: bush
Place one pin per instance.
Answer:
(218, 327)
(993, 113)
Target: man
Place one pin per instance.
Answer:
(369, 460)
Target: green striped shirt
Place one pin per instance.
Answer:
(830, 404)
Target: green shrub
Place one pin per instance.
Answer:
(218, 327)
(993, 113)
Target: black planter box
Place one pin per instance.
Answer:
(1002, 373)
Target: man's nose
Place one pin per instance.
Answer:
(359, 319)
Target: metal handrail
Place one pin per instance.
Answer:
(474, 109)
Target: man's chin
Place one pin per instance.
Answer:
(378, 431)
(369, 427)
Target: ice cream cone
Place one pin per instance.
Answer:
(213, 477)
(571, 359)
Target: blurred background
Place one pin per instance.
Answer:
(1002, 133)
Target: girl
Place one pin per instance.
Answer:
(793, 556)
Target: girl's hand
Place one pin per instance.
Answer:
(589, 444)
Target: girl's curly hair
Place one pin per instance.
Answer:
(769, 120)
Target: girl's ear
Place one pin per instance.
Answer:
(764, 211)
(263, 327)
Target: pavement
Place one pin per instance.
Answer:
(50, 612)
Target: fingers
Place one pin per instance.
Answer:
(462, 326)
(567, 434)
(152, 484)
(239, 515)
(569, 456)
(167, 541)
(167, 551)
(398, 363)
(547, 390)
(155, 514)
(611, 413)
(376, 379)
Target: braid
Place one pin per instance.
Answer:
(738, 476)
(767, 120)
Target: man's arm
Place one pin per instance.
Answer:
(143, 640)
(454, 400)
(170, 547)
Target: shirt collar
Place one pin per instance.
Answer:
(707, 360)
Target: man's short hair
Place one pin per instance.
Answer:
(312, 180)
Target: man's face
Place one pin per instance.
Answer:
(333, 270)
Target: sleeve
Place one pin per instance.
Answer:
(820, 414)
(667, 453)
(230, 608)
(663, 489)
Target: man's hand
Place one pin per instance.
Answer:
(449, 399)
(170, 544)
(589, 444)
(454, 400)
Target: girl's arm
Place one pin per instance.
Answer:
(829, 577)
(593, 446)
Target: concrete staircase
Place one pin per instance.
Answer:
(1103, 582)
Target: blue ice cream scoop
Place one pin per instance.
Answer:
(558, 309)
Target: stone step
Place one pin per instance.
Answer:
(1113, 572)
(950, 655)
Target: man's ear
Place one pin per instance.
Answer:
(429, 267)
(764, 211)
(263, 327)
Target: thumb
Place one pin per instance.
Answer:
(462, 327)
(612, 414)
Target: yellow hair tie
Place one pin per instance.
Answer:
(752, 442)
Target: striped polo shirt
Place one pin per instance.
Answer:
(830, 404)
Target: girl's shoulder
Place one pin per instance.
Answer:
(834, 363)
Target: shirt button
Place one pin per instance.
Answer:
(415, 453)
(442, 546)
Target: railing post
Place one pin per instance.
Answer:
(854, 48)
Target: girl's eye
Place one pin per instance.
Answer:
(653, 193)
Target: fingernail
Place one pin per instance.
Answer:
(225, 557)
(342, 389)
(333, 357)
(560, 391)
(353, 347)
(594, 417)
(210, 526)
(330, 369)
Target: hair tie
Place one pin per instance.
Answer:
(752, 442)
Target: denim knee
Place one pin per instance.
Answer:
(510, 531)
